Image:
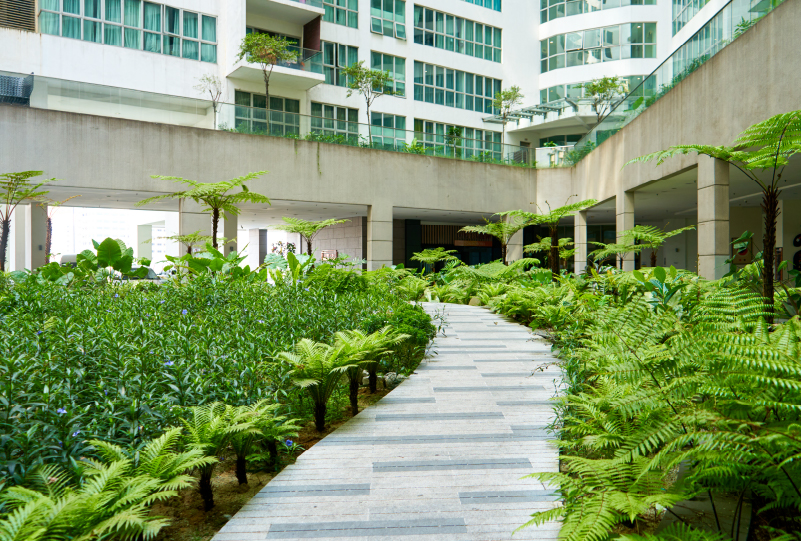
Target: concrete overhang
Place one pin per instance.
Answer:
(295, 79)
(293, 11)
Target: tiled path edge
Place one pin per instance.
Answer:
(440, 458)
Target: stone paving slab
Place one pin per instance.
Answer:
(440, 458)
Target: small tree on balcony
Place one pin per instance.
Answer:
(372, 84)
(267, 51)
(505, 101)
(212, 85)
(604, 92)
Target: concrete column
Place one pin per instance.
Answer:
(713, 217)
(15, 252)
(580, 240)
(35, 236)
(625, 220)
(228, 226)
(191, 219)
(379, 235)
(144, 236)
(514, 248)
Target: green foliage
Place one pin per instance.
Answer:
(431, 256)
(112, 256)
(605, 94)
(370, 83)
(14, 189)
(503, 230)
(306, 228)
(267, 51)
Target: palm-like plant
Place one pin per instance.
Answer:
(14, 189)
(766, 146)
(307, 229)
(503, 230)
(650, 237)
(215, 197)
(273, 429)
(369, 348)
(566, 250)
(51, 206)
(113, 500)
(551, 220)
(242, 442)
(605, 251)
(318, 368)
(432, 256)
(210, 428)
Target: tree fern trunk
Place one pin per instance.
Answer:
(48, 239)
(653, 257)
(215, 218)
(241, 470)
(272, 448)
(205, 490)
(319, 417)
(6, 228)
(554, 253)
(308, 247)
(770, 206)
(354, 395)
(372, 378)
(503, 254)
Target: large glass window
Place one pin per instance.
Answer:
(635, 40)
(344, 12)
(444, 31)
(252, 115)
(489, 4)
(453, 88)
(456, 141)
(395, 66)
(335, 59)
(333, 120)
(388, 131)
(388, 17)
(576, 90)
(135, 24)
(684, 10)
(555, 9)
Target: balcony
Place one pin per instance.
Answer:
(293, 11)
(302, 74)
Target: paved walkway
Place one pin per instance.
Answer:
(438, 459)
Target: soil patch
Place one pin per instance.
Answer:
(188, 521)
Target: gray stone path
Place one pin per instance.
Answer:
(440, 458)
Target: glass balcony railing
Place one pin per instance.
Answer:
(313, 3)
(729, 23)
(85, 98)
(304, 60)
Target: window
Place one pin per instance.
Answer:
(684, 10)
(555, 9)
(456, 141)
(576, 90)
(388, 17)
(489, 4)
(344, 12)
(333, 120)
(335, 58)
(388, 131)
(252, 115)
(635, 40)
(444, 31)
(396, 66)
(459, 89)
(134, 24)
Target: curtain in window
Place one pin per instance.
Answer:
(72, 6)
(91, 8)
(190, 49)
(152, 42)
(91, 31)
(133, 38)
(112, 35)
(209, 28)
(52, 5)
(71, 27)
(152, 17)
(172, 21)
(132, 13)
(113, 11)
(48, 23)
(172, 46)
(190, 25)
(208, 53)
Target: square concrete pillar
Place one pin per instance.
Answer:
(15, 251)
(624, 212)
(580, 241)
(192, 219)
(35, 236)
(514, 248)
(379, 235)
(713, 217)
(228, 227)
(144, 238)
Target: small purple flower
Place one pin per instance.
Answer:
(169, 363)
(98, 304)
(75, 434)
(105, 391)
(61, 410)
(38, 332)
(184, 311)
(60, 444)
(261, 321)
(116, 295)
(161, 302)
(289, 443)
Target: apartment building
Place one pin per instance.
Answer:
(447, 60)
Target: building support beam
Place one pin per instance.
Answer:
(580, 240)
(35, 236)
(713, 217)
(228, 227)
(379, 235)
(624, 212)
